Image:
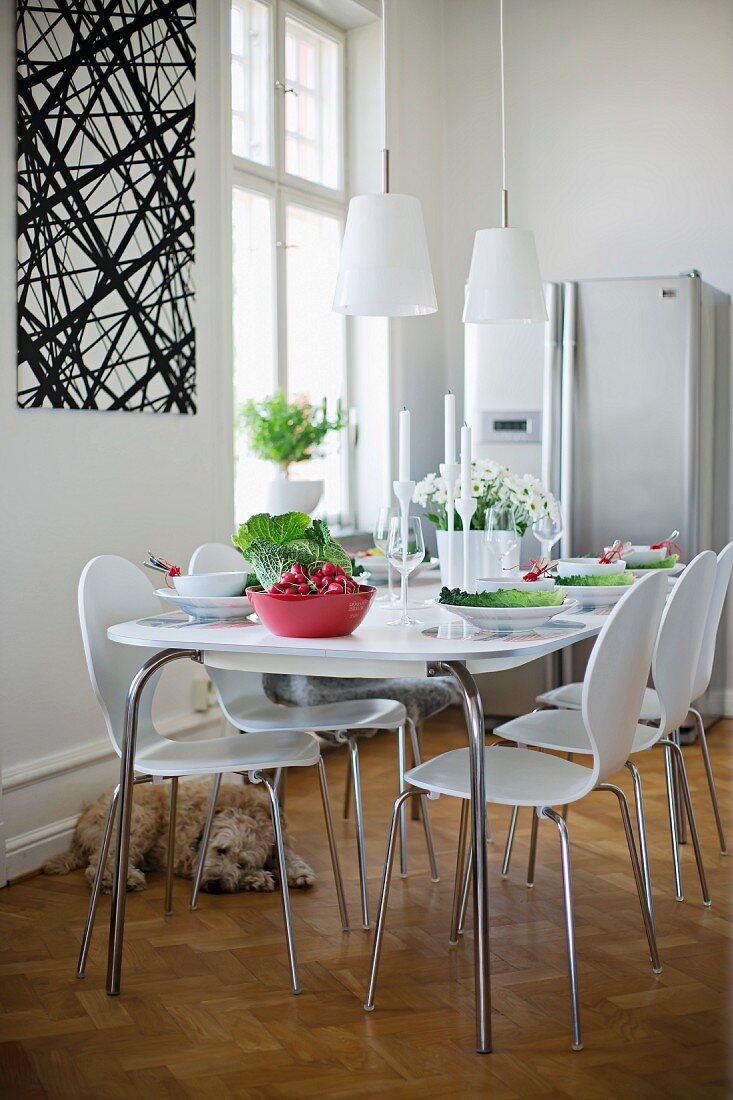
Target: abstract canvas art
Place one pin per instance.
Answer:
(105, 205)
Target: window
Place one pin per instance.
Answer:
(288, 213)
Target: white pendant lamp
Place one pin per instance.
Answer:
(504, 283)
(385, 265)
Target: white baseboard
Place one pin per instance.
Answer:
(42, 799)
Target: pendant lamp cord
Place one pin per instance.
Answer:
(385, 149)
(504, 193)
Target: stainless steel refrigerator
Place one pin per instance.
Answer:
(621, 404)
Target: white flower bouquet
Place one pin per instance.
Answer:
(493, 484)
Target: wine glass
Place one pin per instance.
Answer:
(381, 540)
(501, 534)
(405, 549)
(548, 528)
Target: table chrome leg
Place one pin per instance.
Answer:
(533, 849)
(384, 897)
(171, 848)
(401, 768)
(460, 872)
(347, 791)
(638, 876)
(204, 842)
(97, 885)
(641, 830)
(473, 710)
(417, 804)
(567, 886)
(283, 872)
(509, 842)
(682, 772)
(672, 810)
(335, 864)
(710, 777)
(425, 804)
(127, 773)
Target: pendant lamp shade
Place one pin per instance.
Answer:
(385, 265)
(504, 283)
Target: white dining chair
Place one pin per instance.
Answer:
(568, 696)
(113, 590)
(612, 693)
(246, 706)
(674, 665)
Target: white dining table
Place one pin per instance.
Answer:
(376, 649)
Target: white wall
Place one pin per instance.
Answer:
(75, 484)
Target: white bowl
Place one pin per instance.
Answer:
(588, 567)
(643, 555)
(211, 584)
(209, 608)
(511, 618)
(494, 584)
(597, 595)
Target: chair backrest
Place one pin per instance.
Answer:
(236, 691)
(681, 632)
(113, 590)
(617, 674)
(215, 557)
(707, 652)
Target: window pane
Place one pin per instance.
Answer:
(251, 85)
(312, 117)
(315, 333)
(253, 275)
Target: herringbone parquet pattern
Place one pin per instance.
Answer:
(206, 1009)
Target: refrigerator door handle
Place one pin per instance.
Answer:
(569, 339)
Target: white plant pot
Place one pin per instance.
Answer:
(284, 495)
(482, 561)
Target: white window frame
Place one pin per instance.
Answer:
(283, 187)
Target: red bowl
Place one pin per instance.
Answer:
(332, 616)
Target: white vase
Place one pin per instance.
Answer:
(284, 495)
(482, 561)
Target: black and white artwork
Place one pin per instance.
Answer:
(105, 204)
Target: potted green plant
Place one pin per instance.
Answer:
(288, 433)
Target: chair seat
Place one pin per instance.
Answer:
(260, 714)
(276, 749)
(569, 697)
(562, 730)
(514, 777)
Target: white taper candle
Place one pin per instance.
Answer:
(404, 446)
(450, 427)
(466, 478)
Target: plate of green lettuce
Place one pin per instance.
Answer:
(597, 591)
(507, 609)
(667, 565)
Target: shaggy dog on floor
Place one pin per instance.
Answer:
(241, 852)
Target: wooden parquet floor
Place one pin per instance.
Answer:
(206, 1009)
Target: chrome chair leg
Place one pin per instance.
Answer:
(335, 864)
(711, 779)
(465, 891)
(360, 844)
(402, 767)
(92, 911)
(567, 884)
(509, 842)
(347, 792)
(384, 896)
(682, 772)
(424, 803)
(641, 829)
(204, 842)
(282, 871)
(681, 820)
(170, 858)
(533, 849)
(672, 810)
(636, 868)
(460, 865)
